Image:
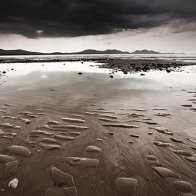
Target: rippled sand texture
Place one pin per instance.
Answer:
(96, 136)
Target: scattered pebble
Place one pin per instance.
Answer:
(13, 183)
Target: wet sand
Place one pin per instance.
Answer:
(67, 134)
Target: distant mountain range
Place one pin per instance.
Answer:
(89, 51)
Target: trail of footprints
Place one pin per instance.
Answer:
(49, 136)
(183, 187)
(52, 135)
(190, 102)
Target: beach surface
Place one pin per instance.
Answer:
(69, 128)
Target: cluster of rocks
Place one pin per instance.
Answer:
(141, 65)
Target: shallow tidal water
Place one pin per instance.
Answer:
(127, 135)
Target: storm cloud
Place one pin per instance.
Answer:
(70, 18)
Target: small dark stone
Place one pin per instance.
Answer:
(111, 76)
(79, 73)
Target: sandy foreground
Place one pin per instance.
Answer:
(65, 134)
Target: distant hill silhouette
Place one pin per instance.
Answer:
(89, 51)
(145, 52)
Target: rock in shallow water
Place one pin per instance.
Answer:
(126, 185)
(61, 179)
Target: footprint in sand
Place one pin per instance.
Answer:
(53, 122)
(162, 144)
(76, 133)
(110, 133)
(78, 115)
(8, 104)
(6, 125)
(11, 168)
(25, 112)
(27, 121)
(2, 111)
(46, 127)
(163, 114)
(191, 159)
(93, 149)
(193, 147)
(134, 115)
(121, 125)
(162, 109)
(50, 146)
(30, 143)
(6, 158)
(91, 113)
(61, 179)
(20, 150)
(131, 186)
(184, 187)
(183, 153)
(126, 185)
(162, 130)
(49, 140)
(82, 162)
(108, 116)
(64, 137)
(9, 117)
(149, 122)
(1, 132)
(70, 127)
(186, 105)
(165, 172)
(99, 139)
(32, 115)
(134, 135)
(176, 140)
(152, 159)
(70, 191)
(107, 120)
(139, 110)
(40, 113)
(38, 133)
(74, 120)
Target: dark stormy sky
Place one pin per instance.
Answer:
(73, 25)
